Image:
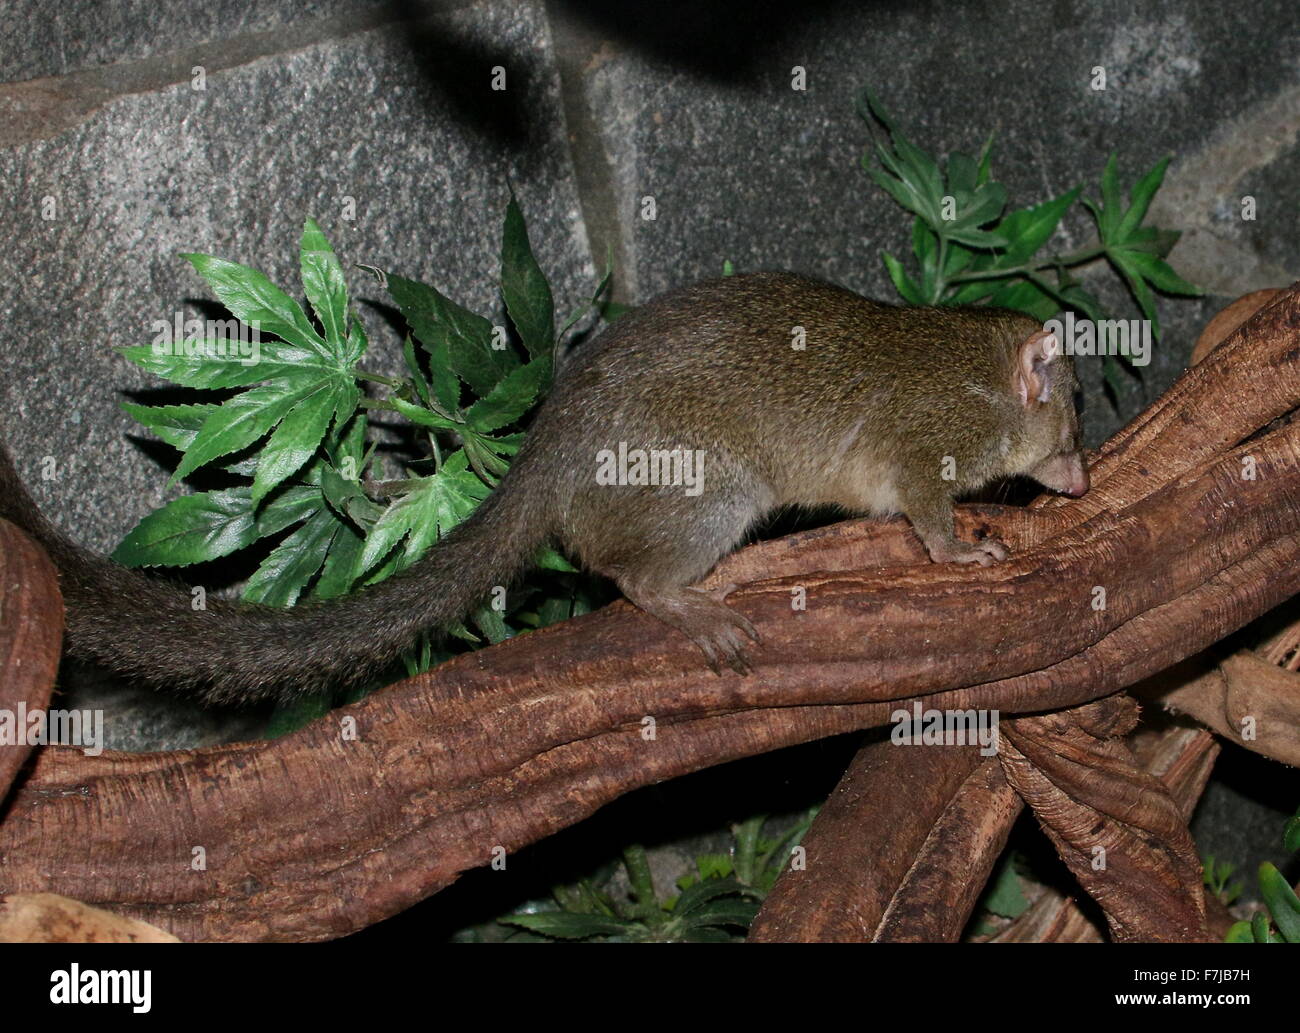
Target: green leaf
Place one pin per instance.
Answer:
(452, 335)
(1259, 929)
(347, 498)
(254, 299)
(322, 282)
(963, 173)
(284, 573)
(175, 424)
(418, 414)
(1004, 896)
(1240, 932)
(288, 507)
(1028, 229)
(977, 238)
(205, 367)
(1027, 297)
(562, 925)
(713, 866)
(418, 379)
(594, 302)
(1291, 833)
(337, 575)
(1281, 901)
(524, 286)
(289, 717)
(513, 396)
(903, 283)
(1140, 198)
(737, 911)
(1109, 216)
(295, 440)
(191, 529)
(1137, 284)
(240, 421)
(694, 897)
(549, 559)
(1157, 272)
(432, 507)
(986, 158)
(492, 624)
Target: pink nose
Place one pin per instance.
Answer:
(1079, 482)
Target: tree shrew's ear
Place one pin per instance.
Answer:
(1038, 364)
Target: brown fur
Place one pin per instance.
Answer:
(862, 417)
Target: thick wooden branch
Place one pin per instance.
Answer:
(1117, 826)
(31, 632)
(1182, 758)
(323, 832)
(894, 825)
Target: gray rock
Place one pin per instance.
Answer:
(43, 39)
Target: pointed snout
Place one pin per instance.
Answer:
(1079, 480)
(1066, 473)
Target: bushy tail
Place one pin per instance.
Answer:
(146, 628)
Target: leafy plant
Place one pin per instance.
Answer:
(968, 249)
(1215, 876)
(716, 904)
(290, 433)
(1281, 905)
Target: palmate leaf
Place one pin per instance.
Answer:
(306, 380)
(453, 336)
(338, 573)
(1028, 297)
(175, 424)
(281, 577)
(240, 421)
(255, 300)
(296, 438)
(431, 508)
(208, 525)
(423, 417)
(1028, 229)
(290, 506)
(524, 287)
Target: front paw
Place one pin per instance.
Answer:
(985, 553)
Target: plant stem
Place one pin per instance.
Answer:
(378, 378)
(1079, 257)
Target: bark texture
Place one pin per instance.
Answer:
(374, 807)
